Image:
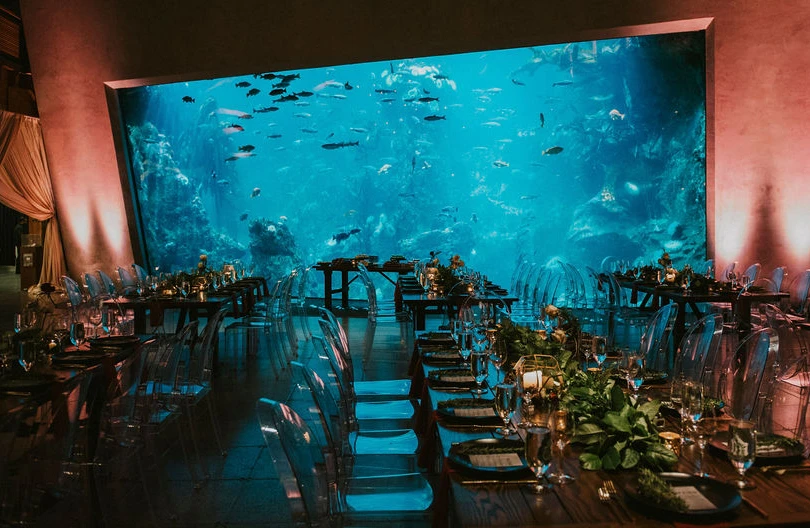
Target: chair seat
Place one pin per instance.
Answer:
(390, 410)
(395, 387)
(365, 495)
(384, 443)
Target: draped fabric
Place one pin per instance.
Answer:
(25, 185)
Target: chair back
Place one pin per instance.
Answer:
(108, 283)
(793, 348)
(202, 357)
(140, 273)
(128, 283)
(335, 428)
(777, 277)
(74, 291)
(747, 385)
(725, 275)
(698, 349)
(654, 346)
(799, 289)
(94, 287)
(298, 459)
(371, 291)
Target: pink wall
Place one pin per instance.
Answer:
(761, 102)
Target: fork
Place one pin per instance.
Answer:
(609, 491)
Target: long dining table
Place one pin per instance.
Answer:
(781, 496)
(389, 270)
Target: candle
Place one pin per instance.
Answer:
(532, 380)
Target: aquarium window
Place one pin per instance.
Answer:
(576, 151)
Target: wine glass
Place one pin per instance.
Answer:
(561, 427)
(109, 316)
(478, 367)
(77, 334)
(28, 354)
(742, 449)
(599, 349)
(691, 408)
(706, 428)
(635, 372)
(18, 322)
(538, 454)
(497, 356)
(94, 316)
(465, 344)
(29, 318)
(506, 396)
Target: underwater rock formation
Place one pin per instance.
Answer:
(457, 239)
(272, 248)
(178, 223)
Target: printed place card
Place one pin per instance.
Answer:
(474, 411)
(694, 499)
(496, 460)
(458, 378)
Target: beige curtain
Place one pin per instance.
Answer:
(25, 185)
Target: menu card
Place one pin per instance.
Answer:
(458, 378)
(694, 499)
(474, 411)
(496, 460)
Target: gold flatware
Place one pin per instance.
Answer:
(492, 481)
(754, 507)
(612, 493)
(781, 470)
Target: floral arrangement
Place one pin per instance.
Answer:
(562, 328)
(445, 277)
(202, 264)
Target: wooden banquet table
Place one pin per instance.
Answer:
(347, 266)
(465, 499)
(655, 296)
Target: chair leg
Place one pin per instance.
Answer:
(215, 426)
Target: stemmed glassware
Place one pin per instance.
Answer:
(634, 364)
(497, 356)
(599, 349)
(28, 354)
(94, 316)
(506, 397)
(465, 341)
(77, 334)
(478, 367)
(691, 408)
(742, 449)
(538, 454)
(18, 322)
(706, 428)
(561, 425)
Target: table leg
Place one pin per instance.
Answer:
(680, 325)
(327, 289)
(344, 289)
(419, 317)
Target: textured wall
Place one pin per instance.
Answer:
(761, 105)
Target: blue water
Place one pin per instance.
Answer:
(576, 151)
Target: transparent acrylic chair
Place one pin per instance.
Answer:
(337, 342)
(129, 285)
(94, 287)
(348, 443)
(655, 346)
(108, 283)
(698, 349)
(318, 496)
(74, 292)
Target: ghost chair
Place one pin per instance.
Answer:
(698, 350)
(623, 317)
(747, 377)
(609, 264)
(379, 311)
(799, 301)
(109, 284)
(302, 308)
(129, 284)
(74, 292)
(524, 310)
(515, 283)
(95, 287)
(777, 277)
(318, 495)
(140, 274)
(655, 345)
(347, 443)
(728, 274)
(335, 345)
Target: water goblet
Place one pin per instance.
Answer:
(465, 345)
(497, 356)
(94, 317)
(691, 409)
(506, 397)
(478, 367)
(561, 432)
(635, 372)
(29, 318)
(77, 334)
(109, 318)
(707, 427)
(742, 449)
(599, 349)
(538, 455)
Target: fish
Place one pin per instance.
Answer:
(500, 164)
(552, 150)
(247, 148)
(214, 174)
(384, 168)
(515, 81)
(439, 76)
(282, 218)
(266, 76)
(529, 197)
(562, 83)
(255, 192)
(285, 98)
(427, 99)
(265, 109)
(347, 86)
(242, 84)
(407, 195)
(542, 120)
(277, 91)
(290, 77)
(450, 209)
(188, 99)
(615, 115)
(330, 135)
(309, 130)
(434, 118)
(244, 116)
(301, 103)
(384, 91)
(358, 130)
(340, 237)
(304, 94)
(302, 115)
(491, 124)
(252, 92)
(274, 136)
(243, 217)
(332, 96)
(342, 144)
(474, 218)
(387, 100)
(230, 129)
(282, 84)
(224, 182)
